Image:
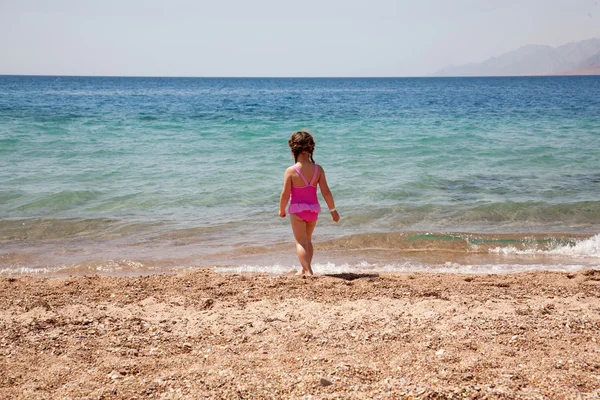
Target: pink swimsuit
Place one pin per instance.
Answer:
(304, 202)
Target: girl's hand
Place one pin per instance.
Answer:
(335, 216)
(282, 214)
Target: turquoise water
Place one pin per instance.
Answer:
(186, 171)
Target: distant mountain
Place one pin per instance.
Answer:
(570, 59)
(591, 66)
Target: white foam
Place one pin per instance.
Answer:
(120, 265)
(588, 248)
(326, 268)
(21, 270)
(407, 267)
(108, 267)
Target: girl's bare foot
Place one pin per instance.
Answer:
(304, 273)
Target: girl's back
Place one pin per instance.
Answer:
(308, 170)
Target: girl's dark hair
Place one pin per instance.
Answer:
(301, 142)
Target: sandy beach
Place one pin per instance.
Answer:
(208, 335)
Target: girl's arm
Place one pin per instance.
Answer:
(285, 192)
(326, 192)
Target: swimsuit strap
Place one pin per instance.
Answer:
(312, 181)
(301, 174)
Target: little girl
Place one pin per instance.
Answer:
(304, 205)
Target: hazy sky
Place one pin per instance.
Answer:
(277, 37)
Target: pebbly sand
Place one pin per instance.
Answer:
(208, 335)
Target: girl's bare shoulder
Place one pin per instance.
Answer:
(289, 171)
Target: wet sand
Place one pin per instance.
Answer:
(208, 335)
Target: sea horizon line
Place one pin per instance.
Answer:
(292, 77)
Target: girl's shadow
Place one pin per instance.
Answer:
(351, 277)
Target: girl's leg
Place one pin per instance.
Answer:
(299, 227)
(310, 227)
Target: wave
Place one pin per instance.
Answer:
(66, 200)
(8, 144)
(587, 212)
(384, 214)
(148, 118)
(551, 244)
(16, 230)
(107, 267)
(583, 248)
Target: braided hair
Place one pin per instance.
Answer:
(301, 142)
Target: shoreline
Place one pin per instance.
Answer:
(377, 252)
(203, 334)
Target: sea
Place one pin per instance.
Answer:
(137, 176)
